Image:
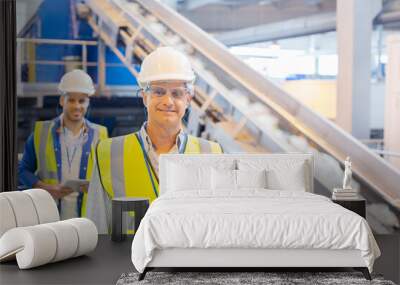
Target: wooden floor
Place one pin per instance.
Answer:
(389, 262)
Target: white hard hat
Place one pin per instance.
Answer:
(76, 81)
(165, 64)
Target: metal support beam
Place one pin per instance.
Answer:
(84, 57)
(196, 4)
(292, 28)
(208, 101)
(354, 31)
(101, 67)
(280, 30)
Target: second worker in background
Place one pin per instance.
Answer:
(62, 149)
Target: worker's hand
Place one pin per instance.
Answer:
(84, 188)
(57, 191)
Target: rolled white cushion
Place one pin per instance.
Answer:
(23, 208)
(87, 235)
(45, 205)
(7, 218)
(33, 246)
(67, 239)
(40, 244)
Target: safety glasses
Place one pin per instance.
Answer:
(178, 93)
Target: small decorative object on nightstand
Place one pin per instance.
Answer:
(346, 192)
(126, 204)
(357, 205)
(346, 196)
(347, 174)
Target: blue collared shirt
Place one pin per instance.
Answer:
(151, 151)
(28, 164)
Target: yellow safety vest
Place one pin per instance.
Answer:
(48, 154)
(122, 165)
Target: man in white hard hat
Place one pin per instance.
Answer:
(127, 166)
(62, 149)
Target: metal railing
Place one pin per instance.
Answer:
(26, 55)
(35, 41)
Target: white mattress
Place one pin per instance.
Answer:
(253, 219)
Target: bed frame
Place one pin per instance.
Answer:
(242, 259)
(245, 259)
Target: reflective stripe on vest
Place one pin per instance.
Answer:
(48, 155)
(101, 133)
(196, 145)
(122, 166)
(45, 156)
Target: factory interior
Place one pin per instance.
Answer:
(272, 76)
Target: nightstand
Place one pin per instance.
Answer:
(126, 204)
(356, 205)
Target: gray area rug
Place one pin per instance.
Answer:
(225, 278)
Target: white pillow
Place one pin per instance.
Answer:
(281, 180)
(282, 174)
(223, 179)
(188, 177)
(227, 179)
(251, 178)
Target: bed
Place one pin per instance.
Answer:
(246, 210)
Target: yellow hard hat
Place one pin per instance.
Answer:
(165, 64)
(76, 81)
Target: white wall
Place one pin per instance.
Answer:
(377, 105)
(320, 96)
(392, 102)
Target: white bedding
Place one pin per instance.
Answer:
(251, 218)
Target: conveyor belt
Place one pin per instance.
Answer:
(236, 105)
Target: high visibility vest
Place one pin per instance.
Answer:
(123, 170)
(48, 154)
